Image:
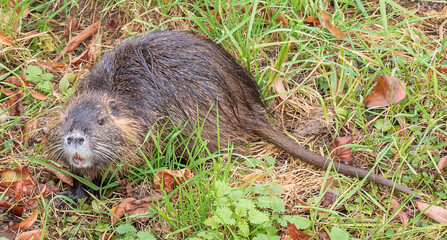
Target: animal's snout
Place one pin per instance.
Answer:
(75, 138)
(72, 140)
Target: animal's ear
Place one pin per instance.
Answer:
(113, 108)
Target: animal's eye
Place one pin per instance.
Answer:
(113, 108)
(101, 121)
(112, 105)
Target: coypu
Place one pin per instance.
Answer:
(167, 73)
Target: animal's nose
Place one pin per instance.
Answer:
(75, 140)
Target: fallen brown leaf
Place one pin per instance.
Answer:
(387, 90)
(105, 236)
(402, 215)
(63, 177)
(91, 53)
(328, 199)
(31, 235)
(279, 88)
(15, 105)
(439, 69)
(442, 162)
(15, 13)
(72, 25)
(113, 25)
(267, 13)
(286, 237)
(30, 128)
(9, 93)
(324, 236)
(436, 213)
(295, 233)
(73, 43)
(5, 184)
(127, 190)
(29, 36)
(25, 224)
(342, 154)
(170, 179)
(16, 174)
(16, 210)
(14, 80)
(312, 21)
(5, 40)
(327, 23)
(53, 66)
(252, 178)
(132, 206)
(94, 47)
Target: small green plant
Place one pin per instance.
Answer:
(251, 212)
(64, 85)
(129, 232)
(42, 80)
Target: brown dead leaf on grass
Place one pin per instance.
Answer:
(279, 88)
(297, 234)
(286, 237)
(442, 163)
(31, 235)
(127, 187)
(430, 73)
(30, 35)
(5, 40)
(16, 174)
(15, 105)
(105, 236)
(113, 25)
(342, 154)
(387, 90)
(15, 13)
(30, 130)
(91, 53)
(52, 66)
(16, 210)
(38, 96)
(327, 23)
(72, 26)
(170, 179)
(402, 215)
(132, 206)
(252, 178)
(312, 21)
(328, 199)
(16, 81)
(436, 213)
(27, 223)
(73, 43)
(324, 236)
(267, 14)
(63, 177)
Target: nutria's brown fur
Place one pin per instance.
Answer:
(167, 73)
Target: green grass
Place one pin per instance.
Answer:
(405, 141)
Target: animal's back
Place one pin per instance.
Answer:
(183, 76)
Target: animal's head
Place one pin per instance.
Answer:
(94, 131)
